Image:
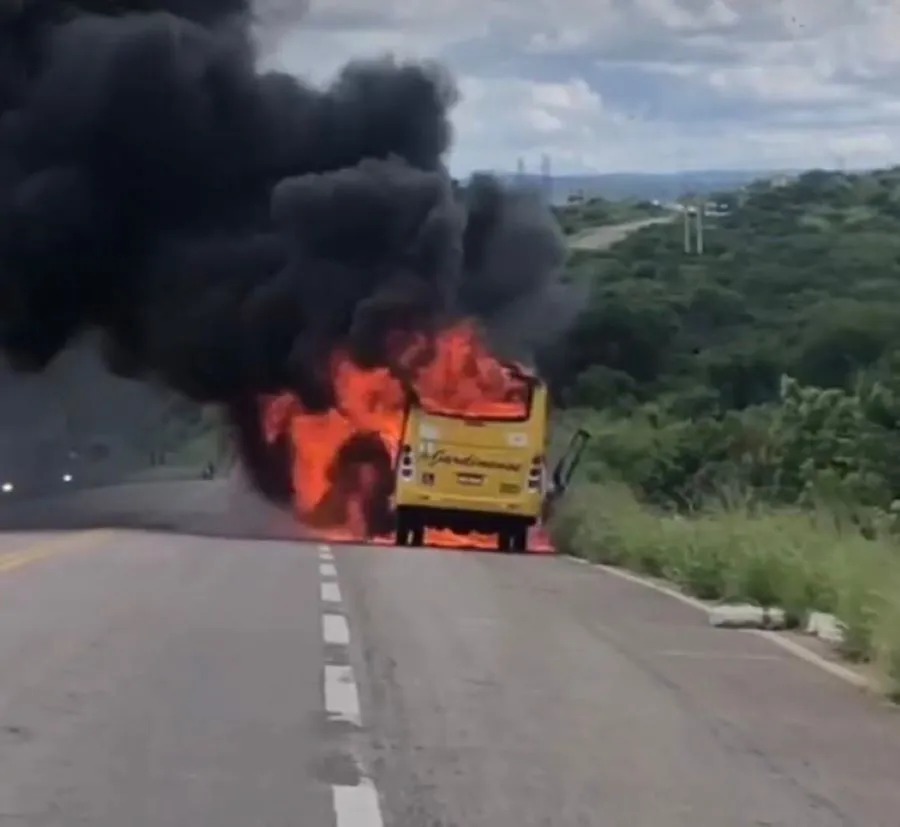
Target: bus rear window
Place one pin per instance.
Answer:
(499, 401)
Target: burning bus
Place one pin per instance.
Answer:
(447, 449)
(482, 474)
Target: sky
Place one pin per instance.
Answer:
(634, 85)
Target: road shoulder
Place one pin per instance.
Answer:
(811, 650)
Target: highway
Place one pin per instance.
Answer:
(602, 238)
(168, 678)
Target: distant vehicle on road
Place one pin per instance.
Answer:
(483, 472)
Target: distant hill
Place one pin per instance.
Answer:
(621, 186)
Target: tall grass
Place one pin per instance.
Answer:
(734, 551)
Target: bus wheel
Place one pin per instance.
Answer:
(410, 529)
(514, 538)
(403, 531)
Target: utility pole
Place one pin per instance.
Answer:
(691, 204)
(700, 206)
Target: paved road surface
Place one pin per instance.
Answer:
(163, 680)
(599, 238)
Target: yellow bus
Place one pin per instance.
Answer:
(484, 473)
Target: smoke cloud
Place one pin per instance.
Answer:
(225, 229)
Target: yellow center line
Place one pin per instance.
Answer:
(52, 548)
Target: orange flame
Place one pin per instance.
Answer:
(343, 460)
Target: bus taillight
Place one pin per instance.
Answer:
(407, 464)
(535, 474)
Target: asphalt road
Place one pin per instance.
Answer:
(157, 679)
(600, 238)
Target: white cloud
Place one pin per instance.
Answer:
(874, 144)
(517, 117)
(543, 121)
(672, 14)
(644, 84)
(779, 83)
(575, 96)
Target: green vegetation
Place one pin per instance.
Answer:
(195, 443)
(578, 216)
(745, 405)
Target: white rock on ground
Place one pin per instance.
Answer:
(825, 627)
(745, 616)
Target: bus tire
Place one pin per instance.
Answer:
(518, 538)
(410, 528)
(403, 530)
(514, 538)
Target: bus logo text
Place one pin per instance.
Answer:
(442, 457)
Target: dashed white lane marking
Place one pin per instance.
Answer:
(357, 806)
(335, 630)
(341, 697)
(354, 806)
(331, 592)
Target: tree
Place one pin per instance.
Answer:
(625, 331)
(843, 337)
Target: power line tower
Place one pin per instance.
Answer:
(520, 173)
(546, 179)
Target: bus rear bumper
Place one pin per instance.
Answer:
(465, 520)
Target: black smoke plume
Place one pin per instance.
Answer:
(225, 229)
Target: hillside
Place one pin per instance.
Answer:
(772, 361)
(745, 407)
(801, 279)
